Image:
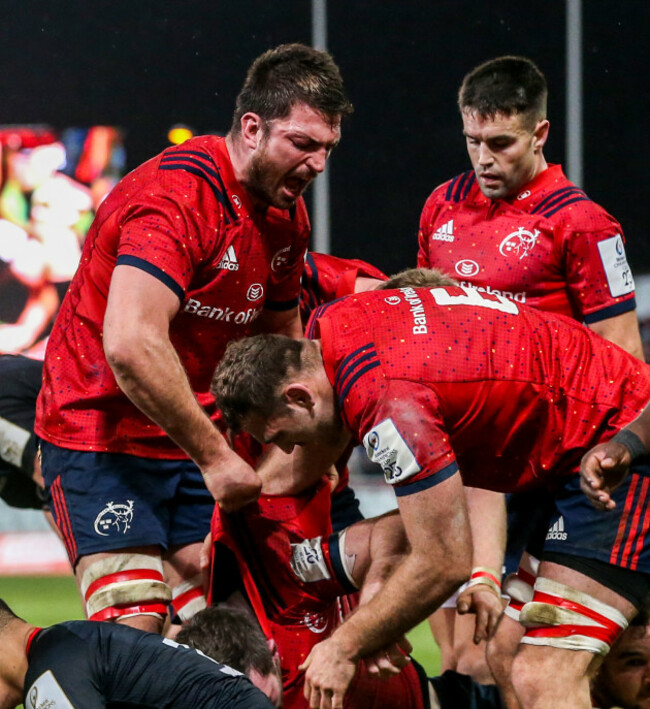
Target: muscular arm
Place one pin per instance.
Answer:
(149, 371)
(622, 330)
(437, 527)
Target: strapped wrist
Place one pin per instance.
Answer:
(486, 577)
(632, 442)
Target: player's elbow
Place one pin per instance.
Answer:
(122, 352)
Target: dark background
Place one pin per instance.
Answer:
(146, 65)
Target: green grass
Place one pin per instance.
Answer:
(42, 600)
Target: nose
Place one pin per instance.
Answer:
(484, 154)
(317, 160)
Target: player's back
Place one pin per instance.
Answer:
(504, 381)
(88, 665)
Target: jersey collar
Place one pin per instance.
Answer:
(237, 194)
(531, 194)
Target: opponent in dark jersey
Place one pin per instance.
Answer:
(20, 382)
(86, 665)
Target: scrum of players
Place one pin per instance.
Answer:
(201, 355)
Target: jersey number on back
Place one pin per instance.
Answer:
(463, 295)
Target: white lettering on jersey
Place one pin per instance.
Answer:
(619, 275)
(46, 693)
(243, 317)
(471, 296)
(417, 311)
(517, 297)
(384, 445)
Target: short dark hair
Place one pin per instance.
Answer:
(507, 85)
(287, 75)
(6, 614)
(418, 278)
(250, 373)
(229, 636)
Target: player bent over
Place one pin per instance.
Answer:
(86, 665)
(446, 380)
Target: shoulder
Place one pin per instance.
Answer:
(455, 190)
(571, 208)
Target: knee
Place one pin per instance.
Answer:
(472, 661)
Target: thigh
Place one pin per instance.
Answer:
(190, 508)
(104, 502)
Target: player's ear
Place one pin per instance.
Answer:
(300, 395)
(252, 129)
(540, 134)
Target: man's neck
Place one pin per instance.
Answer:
(13, 655)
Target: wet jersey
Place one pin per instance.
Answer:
(292, 571)
(89, 665)
(184, 219)
(432, 380)
(550, 246)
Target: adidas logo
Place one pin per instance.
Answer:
(557, 531)
(229, 260)
(445, 232)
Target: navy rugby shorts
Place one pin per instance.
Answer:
(620, 536)
(109, 501)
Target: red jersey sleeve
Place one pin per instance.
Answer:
(168, 233)
(599, 279)
(410, 443)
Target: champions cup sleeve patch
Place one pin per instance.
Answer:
(619, 275)
(46, 692)
(308, 562)
(384, 445)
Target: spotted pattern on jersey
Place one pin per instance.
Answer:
(183, 218)
(511, 395)
(548, 247)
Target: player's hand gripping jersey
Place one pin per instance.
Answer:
(183, 218)
(293, 574)
(550, 246)
(432, 380)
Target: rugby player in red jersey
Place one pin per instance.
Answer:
(198, 246)
(514, 225)
(438, 380)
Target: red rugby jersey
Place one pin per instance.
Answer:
(550, 246)
(182, 217)
(296, 613)
(327, 278)
(432, 380)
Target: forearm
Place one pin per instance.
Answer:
(411, 593)
(388, 546)
(487, 518)
(622, 330)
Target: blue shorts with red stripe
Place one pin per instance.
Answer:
(103, 502)
(619, 536)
